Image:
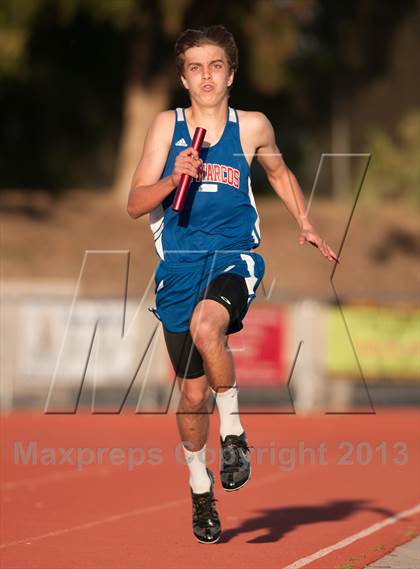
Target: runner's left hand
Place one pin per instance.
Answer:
(312, 237)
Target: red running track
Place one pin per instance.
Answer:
(343, 504)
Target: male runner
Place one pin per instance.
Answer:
(208, 273)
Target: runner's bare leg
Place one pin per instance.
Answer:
(208, 328)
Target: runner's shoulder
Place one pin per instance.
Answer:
(162, 126)
(253, 121)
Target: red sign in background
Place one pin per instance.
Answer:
(259, 349)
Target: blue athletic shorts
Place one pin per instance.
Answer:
(179, 288)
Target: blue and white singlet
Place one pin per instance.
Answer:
(219, 212)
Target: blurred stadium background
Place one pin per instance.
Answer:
(80, 81)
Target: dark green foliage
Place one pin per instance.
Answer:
(64, 68)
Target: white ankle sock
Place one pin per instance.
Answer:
(199, 479)
(227, 405)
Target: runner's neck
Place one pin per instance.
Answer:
(212, 119)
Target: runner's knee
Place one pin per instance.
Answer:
(208, 327)
(194, 399)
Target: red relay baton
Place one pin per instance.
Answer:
(185, 181)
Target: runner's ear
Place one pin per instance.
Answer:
(184, 82)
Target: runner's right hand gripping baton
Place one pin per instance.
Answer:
(185, 180)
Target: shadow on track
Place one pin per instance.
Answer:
(275, 523)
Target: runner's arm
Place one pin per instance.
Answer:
(282, 180)
(285, 184)
(147, 190)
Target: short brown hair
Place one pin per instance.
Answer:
(216, 35)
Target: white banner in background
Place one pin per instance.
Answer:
(42, 326)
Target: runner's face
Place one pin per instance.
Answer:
(206, 74)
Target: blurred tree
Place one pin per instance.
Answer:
(144, 29)
(345, 47)
(54, 94)
(394, 172)
(151, 28)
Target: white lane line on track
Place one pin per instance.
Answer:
(100, 472)
(87, 525)
(117, 517)
(56, 477)
(348, 540)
